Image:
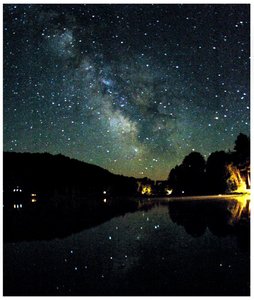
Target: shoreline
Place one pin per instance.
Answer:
(201, 197)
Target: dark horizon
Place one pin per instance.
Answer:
(244, 148)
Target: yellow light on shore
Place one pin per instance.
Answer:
(34, 200)
(146, 190)
(169, 192)
(236, 180)
(105, 200)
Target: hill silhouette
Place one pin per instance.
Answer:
(49, 195)
(46, 174)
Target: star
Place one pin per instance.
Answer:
(93, 85)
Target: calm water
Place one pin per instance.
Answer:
(171, 248)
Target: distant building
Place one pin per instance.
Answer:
(16, 197)
(148, 187)
(162, 188)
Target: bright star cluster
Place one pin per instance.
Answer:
(131, 88)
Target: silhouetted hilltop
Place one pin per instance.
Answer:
(52, 195)
(45, 173)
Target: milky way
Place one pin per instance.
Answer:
(131, 88)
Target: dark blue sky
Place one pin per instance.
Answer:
(131, 88)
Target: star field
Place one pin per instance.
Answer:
(131, 88)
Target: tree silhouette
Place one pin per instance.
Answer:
(188, 178)
(217, 173)
(194, 161)
(176, 179)
(242, 150)
(242, 144)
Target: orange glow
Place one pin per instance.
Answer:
(146, 190)
(240, 208)
(236, 183)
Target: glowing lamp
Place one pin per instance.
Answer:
(169, 192)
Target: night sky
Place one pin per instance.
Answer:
(131, 88)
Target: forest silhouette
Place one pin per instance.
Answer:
(47, 196)
(195, 176)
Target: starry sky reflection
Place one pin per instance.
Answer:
(141, 253)
(131, 88)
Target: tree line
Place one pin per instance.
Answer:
(222, 172)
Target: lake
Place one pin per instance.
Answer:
(180, 247)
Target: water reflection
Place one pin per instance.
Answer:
(221, 217)
(176, 247)
(47, 222)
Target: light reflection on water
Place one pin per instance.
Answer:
(165, 248)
